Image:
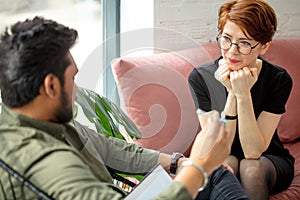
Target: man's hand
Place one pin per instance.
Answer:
(212, 145)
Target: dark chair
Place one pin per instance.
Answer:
(122, 182)
(14, 176)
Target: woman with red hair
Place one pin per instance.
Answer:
(251, 93)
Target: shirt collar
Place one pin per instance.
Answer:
(9, 117)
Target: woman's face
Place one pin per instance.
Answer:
(234, 59)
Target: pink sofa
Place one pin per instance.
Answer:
(155, 94)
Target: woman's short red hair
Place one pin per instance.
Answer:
(255, 17)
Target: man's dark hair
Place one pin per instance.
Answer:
(29, 51)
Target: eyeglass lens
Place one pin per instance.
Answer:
(225, 43)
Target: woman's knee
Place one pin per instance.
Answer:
(251, 169)
(233, 162)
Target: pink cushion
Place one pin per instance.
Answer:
(157, 97)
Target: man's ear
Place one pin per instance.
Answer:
(51, 86)
(264, 48)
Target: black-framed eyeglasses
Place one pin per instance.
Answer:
(244, 47)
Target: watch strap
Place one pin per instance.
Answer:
(228, 117)
(174, 162)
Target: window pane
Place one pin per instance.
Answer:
(83, 15)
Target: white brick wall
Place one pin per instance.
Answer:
(197, 19)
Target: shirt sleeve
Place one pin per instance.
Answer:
(174, 191)
(281, 86)
(67, 177)
(71, 179)
(118, 154)
(199, 91)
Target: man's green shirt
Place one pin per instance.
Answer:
(69, 161)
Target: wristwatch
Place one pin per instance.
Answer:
(174, 162)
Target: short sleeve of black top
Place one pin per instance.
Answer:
(270, 93)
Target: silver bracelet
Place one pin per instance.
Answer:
(200, 168)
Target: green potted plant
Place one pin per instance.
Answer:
(108, 119)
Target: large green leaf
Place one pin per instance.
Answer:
(86, 101)
(105, 115)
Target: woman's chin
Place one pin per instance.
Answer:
(233, 68)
